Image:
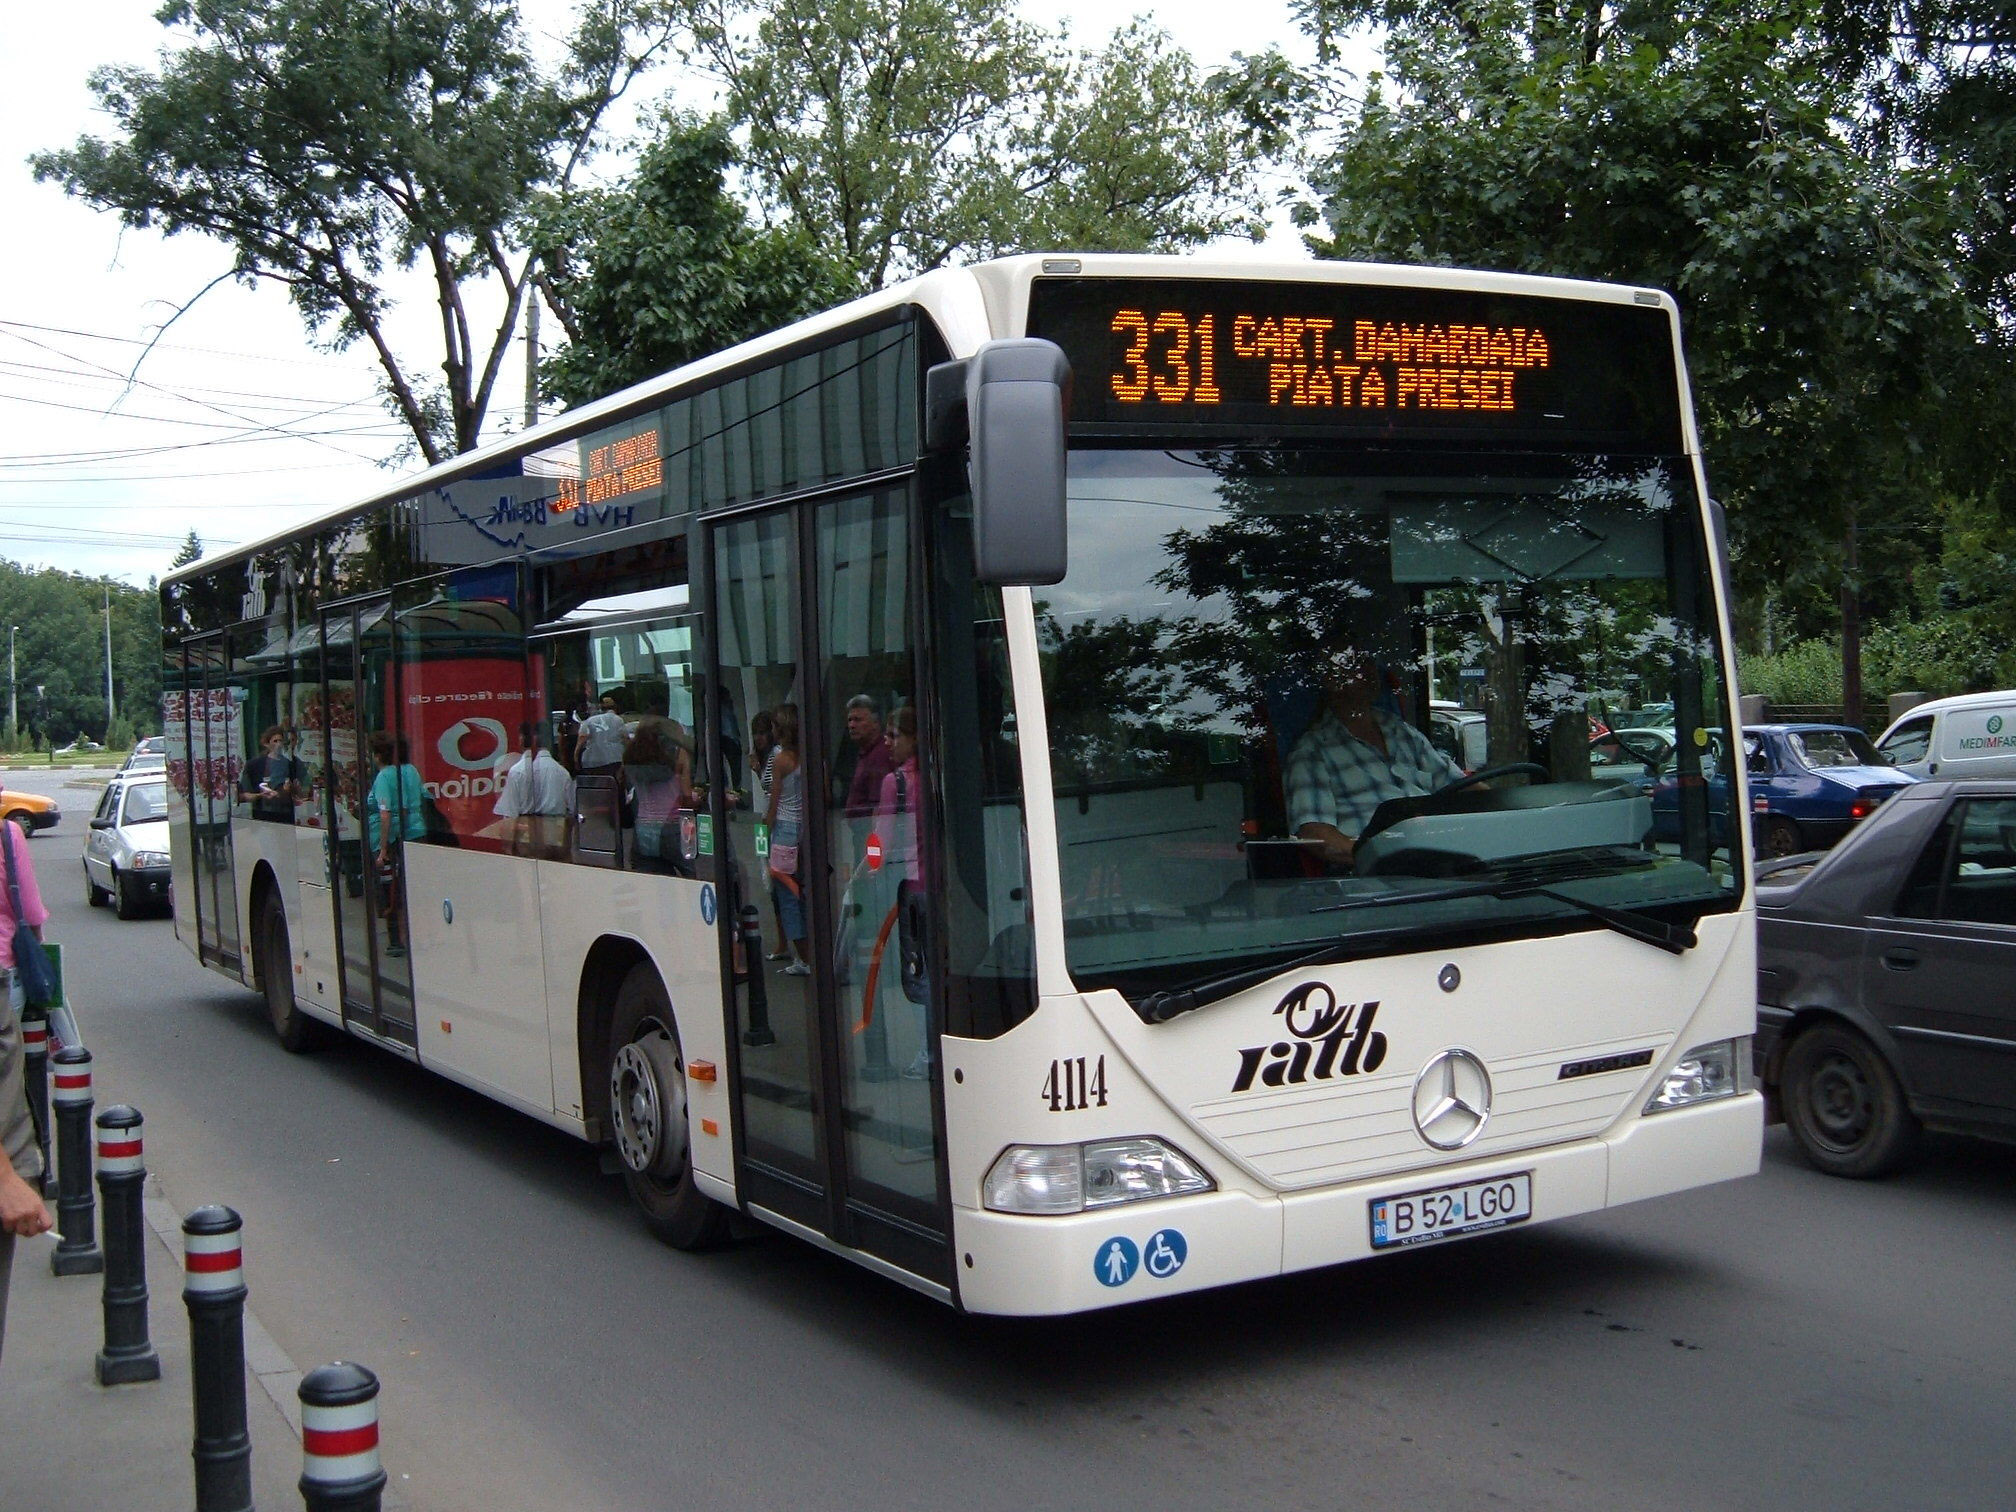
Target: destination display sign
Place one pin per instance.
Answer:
(1228, 357)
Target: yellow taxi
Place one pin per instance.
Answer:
(29, 810)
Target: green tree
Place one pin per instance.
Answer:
(191, 550)
(328, 143)
(905, 134)
(1705, 151)
(669, 267)
(60, 652)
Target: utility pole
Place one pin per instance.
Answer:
(13, 690)
(108, 664)
(532, 358)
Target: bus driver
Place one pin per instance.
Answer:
(1353, 758)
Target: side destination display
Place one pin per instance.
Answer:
(1228, 357)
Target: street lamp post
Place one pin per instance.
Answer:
(109, 716)
(13, 690)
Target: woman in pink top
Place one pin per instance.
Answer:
(22, 1213)
(896, 817)
(22, 871)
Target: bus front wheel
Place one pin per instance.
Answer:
(647, 1116)
(293, 1028)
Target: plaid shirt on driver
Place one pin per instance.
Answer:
(1336, 778)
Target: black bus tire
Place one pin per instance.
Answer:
(294, 1029)
(648, 1118)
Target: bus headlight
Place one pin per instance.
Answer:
(1071, 1178)
(1706, 1072)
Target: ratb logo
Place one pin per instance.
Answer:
(1328, 1039)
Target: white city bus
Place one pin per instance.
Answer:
(997, 877)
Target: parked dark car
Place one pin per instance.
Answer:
(1809, 783)
(1886, 979)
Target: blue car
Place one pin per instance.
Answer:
(1809, 783)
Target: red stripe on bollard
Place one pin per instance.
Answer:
(334, 1441)
(220, 1260)
(117, 1149)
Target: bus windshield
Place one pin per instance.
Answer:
(1301, 696)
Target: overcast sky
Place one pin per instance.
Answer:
(235, 425)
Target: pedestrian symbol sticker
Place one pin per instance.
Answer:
(1165, 1253)
(707, 902)
(1116, 1262)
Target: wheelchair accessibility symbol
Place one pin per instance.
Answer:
(1164, 1253)
(1116, 1262)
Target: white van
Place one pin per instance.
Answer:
(1973, 735)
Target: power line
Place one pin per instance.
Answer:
(71, 377)
(168, 346)
(276, 433)
(240, 472)
(244, 420)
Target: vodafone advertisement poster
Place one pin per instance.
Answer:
(461, 723)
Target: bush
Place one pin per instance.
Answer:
(1804, 673)
(1936, 657)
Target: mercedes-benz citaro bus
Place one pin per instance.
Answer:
(952, 778)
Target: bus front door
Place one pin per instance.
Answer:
(359, 673)
(837, 1090)
(217, 752)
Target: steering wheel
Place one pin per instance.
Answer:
(1485, 774)
(1629, 743)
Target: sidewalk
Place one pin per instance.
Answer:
(72, 1444)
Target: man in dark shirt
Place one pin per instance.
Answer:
(271, 781)
(871, 756)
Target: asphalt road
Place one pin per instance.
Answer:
(1785, 1342)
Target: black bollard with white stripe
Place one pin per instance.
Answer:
(213, 1289)
(128, 1354)
(340, 1471)
(35, 1067)
(77, 1252)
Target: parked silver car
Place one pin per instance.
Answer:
(126, 857)
(149, 754)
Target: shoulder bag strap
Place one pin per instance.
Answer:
(7, 865)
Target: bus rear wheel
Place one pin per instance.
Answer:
(647, 1116)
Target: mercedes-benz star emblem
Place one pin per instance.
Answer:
(1452, 1099)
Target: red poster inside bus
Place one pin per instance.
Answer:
(462, 727)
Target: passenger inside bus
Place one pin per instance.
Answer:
(537, 798)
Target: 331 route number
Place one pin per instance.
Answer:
(1068, 1088)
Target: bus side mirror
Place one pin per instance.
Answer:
(1017, 392)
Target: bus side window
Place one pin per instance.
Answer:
(462, 702)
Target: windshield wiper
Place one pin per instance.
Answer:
(1677, 938)
(1160, 1007)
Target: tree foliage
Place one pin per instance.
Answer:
(1704, 151)
(905, 134)
(332, 143)
(59, 652)
(670, 266)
